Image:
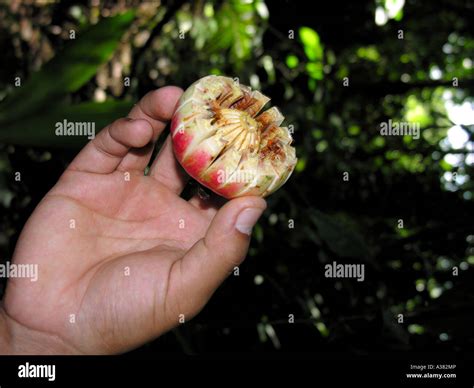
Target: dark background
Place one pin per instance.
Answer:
(424, 184)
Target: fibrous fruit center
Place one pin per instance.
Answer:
(238, 129)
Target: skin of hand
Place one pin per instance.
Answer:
(121, 256)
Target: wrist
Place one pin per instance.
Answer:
(17, 339)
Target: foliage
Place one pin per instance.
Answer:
(396, 204)
(66, 73)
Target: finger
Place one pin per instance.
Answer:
(166, 169)
(205, 266)
(106, 151)
(157, 107)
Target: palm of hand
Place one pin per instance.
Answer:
(107, 266)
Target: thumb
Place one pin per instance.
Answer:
(206, 265)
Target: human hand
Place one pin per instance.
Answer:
(121, 256)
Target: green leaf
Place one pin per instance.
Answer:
(354, 130)
(445, 165)
(236, 27)
(315, 70)
(41, 130)
(417, 111)
(369, 53)
(292, 61)
(399, 16)
(340, 238)
(312, 44)
(262, 9)
(258, 233)
(300, 165)
(312, 84)
(267, 63)
(69, 70)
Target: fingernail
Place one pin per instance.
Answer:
(247, 219)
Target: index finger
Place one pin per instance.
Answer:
(115, 147)
(156, 107)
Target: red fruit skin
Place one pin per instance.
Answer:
(195, 163)
(230, 191)
(213, 183)
(181, 139)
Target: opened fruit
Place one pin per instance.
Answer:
(223, 141)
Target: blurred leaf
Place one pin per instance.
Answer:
(315, 70)
(300, 165)
(311, 43)
(236, 29)
(445, 165)
(40, 130)
(68, 70)
(353, 130)
(399, 16)
(341, 239)
(394, 9)
(417, 112)
(267, 63)
(369, 53)
(258, 233)
(292, 61)
(322, 328)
